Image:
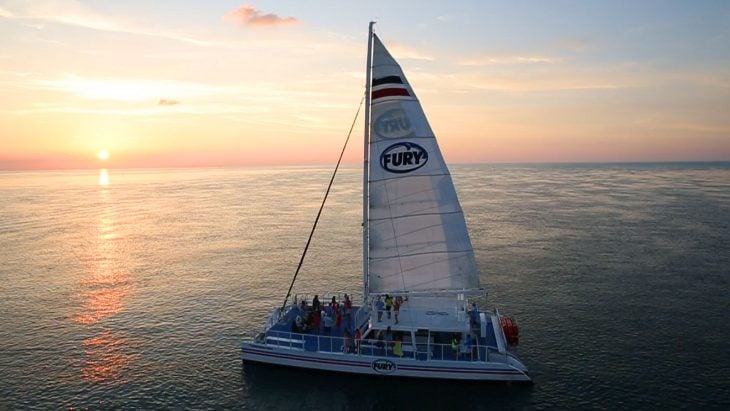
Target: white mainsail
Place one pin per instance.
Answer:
(418, 239)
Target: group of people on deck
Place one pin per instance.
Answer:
(323, 317)
(389, 304)
(351, 344)
(463, 347)
(386, 338)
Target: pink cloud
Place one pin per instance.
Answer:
(247, 15)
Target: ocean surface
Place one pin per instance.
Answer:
(133, 288)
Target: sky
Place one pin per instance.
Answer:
(261, 83)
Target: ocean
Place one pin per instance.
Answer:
(133, 288)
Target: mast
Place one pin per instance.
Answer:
(366, 166)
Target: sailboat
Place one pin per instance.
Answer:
(418, 314)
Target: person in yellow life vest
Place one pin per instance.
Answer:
(455, 346)
(388, 304)
(398, 346)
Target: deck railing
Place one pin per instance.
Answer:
(326, 298)
(375, 348)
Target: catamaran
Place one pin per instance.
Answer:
(418, 314)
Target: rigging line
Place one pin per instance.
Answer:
(321, 207)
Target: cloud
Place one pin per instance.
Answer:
(6, 13)
(405, 52)
(247, 15)
(74, 13)
(510, 59)
(125, 89)
(533, 79)
(75, 94)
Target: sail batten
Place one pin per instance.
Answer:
(418, 240)
(412, 215)
(417, 254)
(392, 178)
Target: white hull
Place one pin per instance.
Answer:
(373, 365)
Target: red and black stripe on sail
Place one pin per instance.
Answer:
(389, 86)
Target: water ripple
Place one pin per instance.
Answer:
(136, 294)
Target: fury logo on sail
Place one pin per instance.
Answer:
(383, 366)
(403, 157)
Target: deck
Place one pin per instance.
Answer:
(285, 334)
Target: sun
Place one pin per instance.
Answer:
(103, 155)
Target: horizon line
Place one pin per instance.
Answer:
(259, 166)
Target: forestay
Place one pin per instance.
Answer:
(417, 234)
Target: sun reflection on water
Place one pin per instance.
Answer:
(103, 177)
(102, 295)
(106, 357)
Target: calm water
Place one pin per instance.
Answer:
(133, 289)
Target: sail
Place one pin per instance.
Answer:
(418, 239)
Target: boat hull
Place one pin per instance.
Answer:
(381, 366)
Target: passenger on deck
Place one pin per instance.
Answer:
(299, 323)
(379, 306)
(316, 320)
(381, 336)
(474, 315)
(388, 304)
(398, 346)
(316, 305)
(466, 346)
(348, 307)
(338, 319)
(396, 307)
(358, 337)
(328, 323)
(455, 345)
(333, 303)
(348, 346)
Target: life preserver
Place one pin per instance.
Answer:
(510, 329)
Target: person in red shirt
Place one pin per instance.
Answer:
(348, 311)
(396, 307)
(316, 320)
(348, 304)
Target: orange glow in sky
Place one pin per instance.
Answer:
(217, 84)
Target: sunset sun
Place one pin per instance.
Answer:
(103, 155)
